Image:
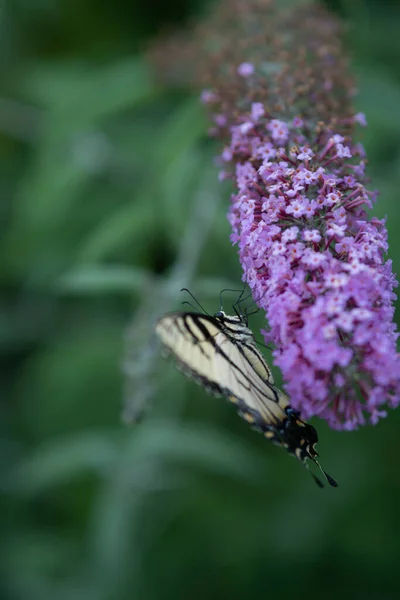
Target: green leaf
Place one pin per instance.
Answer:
(128, 225)
(100, 279)
(194, 445)
(58, 462)
(183, 128)
(83, 95)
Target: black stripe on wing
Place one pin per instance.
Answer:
(230, 334)
(182, 322)
(264, 396)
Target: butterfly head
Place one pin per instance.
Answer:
(237, 319)
(220, 315)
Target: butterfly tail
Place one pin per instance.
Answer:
(329, 479)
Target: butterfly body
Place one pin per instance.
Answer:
(220, 353)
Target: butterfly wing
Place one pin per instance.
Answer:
(226, 362)
(187, 337)
(206, 351)
(248, 382)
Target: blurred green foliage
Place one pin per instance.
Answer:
(110, 205)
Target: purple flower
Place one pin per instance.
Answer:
(360, 118)
(208, 97)
(281, 101)
(257, 111)
(245, 69)
(314, 261)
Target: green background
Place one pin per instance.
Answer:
(111, 204)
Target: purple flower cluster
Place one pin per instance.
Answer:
(280, 95)
(314, 261)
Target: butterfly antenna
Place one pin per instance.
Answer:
(195, 299)
(236, 306)
(241, 293)
(189, 304)
(228, 290)
(221, 307)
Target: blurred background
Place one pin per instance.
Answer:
(111, 204)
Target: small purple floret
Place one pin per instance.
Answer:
(245, 69)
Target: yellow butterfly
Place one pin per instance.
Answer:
(220, 353)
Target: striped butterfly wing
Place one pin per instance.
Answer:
(247, 382)
(220, 353)
(187, 337)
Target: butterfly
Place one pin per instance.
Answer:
(220, 353)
